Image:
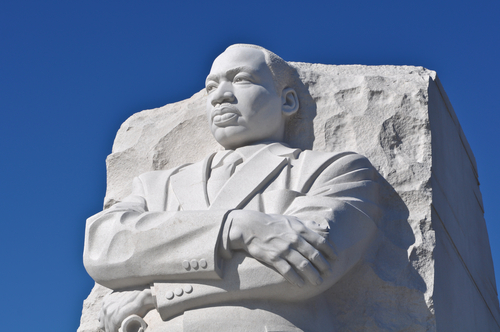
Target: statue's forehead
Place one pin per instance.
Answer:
(239, 57)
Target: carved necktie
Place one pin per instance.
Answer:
(223, 166)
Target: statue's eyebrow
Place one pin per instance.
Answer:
(230, 72)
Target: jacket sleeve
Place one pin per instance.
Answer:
(343, 198)
(340, 195)
(128, 245)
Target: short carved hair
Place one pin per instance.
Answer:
(284, 76)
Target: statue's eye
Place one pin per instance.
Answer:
(241, 79)
(211, 87)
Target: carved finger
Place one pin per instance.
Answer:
(320, 243)
(286, 271)
(304, 267)
(314, 256)
(326, 247)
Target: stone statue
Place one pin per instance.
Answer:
(280, 229)
(251, 238)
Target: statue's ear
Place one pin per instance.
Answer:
(289, 101)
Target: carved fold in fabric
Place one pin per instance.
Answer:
(326, 204)
(127, 248)
(223, 166)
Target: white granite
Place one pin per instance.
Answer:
(429, 266)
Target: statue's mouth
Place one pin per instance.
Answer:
(224, 119)
(224, 115)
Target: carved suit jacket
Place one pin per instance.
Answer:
(167, 234)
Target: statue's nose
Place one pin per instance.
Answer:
(222, 95)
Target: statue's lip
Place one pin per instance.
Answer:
(225, 115)
(225, 108)
(225, 119)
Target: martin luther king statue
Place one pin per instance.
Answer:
(250, 238)
(275, 226)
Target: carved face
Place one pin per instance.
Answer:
(243, 106)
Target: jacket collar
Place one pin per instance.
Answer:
(262, 163)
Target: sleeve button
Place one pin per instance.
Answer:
(203, 263)
(188, 289)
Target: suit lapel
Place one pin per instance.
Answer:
(251, 177)
(190, 185)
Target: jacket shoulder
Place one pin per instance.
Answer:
(322, 166)
(344, 160)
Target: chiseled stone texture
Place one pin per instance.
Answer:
(432, 267)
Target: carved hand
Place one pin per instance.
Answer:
(119, 305)
(284, 242)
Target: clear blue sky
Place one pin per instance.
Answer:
(72, 71)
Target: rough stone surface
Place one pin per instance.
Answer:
(91, 307)
(433, 267)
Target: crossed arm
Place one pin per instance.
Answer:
(294, 250)
(302, 245)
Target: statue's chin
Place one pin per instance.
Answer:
(231, 136)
